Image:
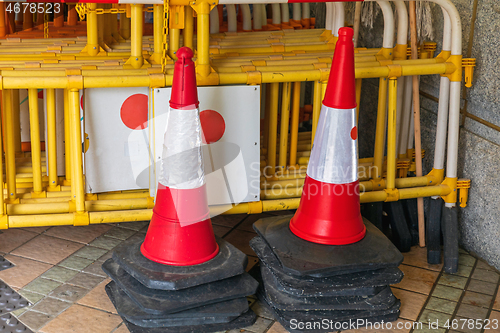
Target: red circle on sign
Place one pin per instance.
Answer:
(354, 133)
(212, 125)
(134, 112)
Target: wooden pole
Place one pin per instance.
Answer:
(416, 118)
(357, 20)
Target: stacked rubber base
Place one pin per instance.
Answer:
(209, 297)
(327, 287)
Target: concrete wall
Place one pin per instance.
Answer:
(479, 148)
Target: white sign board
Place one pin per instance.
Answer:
(125, 127)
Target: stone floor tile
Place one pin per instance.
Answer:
(262, 311)
(36, 230)
(399, 326)
(13, 238)
(441, 305)
(470, 311)
(220, 230)
(81, 319)
(35, 320)
(97, 298)
(482, 287)
(60, 274)
(484, 265)
(241, 240)
(453, 294)
(494, 315)
(105, 257)
(477, 299)
(20, 311)
(42, 286)
(32, 297)
(411, 303)
(47, 249)
(90, 252)
(106, 243)
(464, 271)
(433, 316)
(51, 306)
(453, 281)
(426, 329)
(120, 233)
(85, 234)
(252, 261)
(134, 225)
(485, 275)
(122, 329)
(417, 279)
(68, 293)
(24, 271)
(277, 328)
(260, 325)
(467, 260)
(247, 224)
(95, 269)
(85, 280)
(463, 325)
(496, 304)
(418, 257)
(228, 220)
(76, 263)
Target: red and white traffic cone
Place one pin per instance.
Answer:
(180, 232)
(329, 210)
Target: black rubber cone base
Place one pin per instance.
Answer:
(227, 263)
(449, 225)
(433, 231)
(300, 257)
(222, 312)
(401, 236)
(156, 301)
(333, 319)
(354, 284)
(245, 320)
(287, 302)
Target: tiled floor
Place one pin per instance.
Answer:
(58, 270)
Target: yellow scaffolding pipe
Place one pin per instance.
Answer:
(273, 125)
(76, 150)
(285, 119)
(378, 155)
(35, 143)
(174, 39)
(136, 58)
(391, 134)
(92, 34)
(51, 139)
(188, 30)
(157, 34)
(294, 130)
(316, 108)
(67, 140)
(124, 26)
(203, 39)
(10, 153)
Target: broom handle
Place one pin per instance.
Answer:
(357, 20)
(416, 118)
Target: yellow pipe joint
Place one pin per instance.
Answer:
(436, 176)
(451, 197)
(456, 60)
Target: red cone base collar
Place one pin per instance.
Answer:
(171, 240)
(329, 213)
